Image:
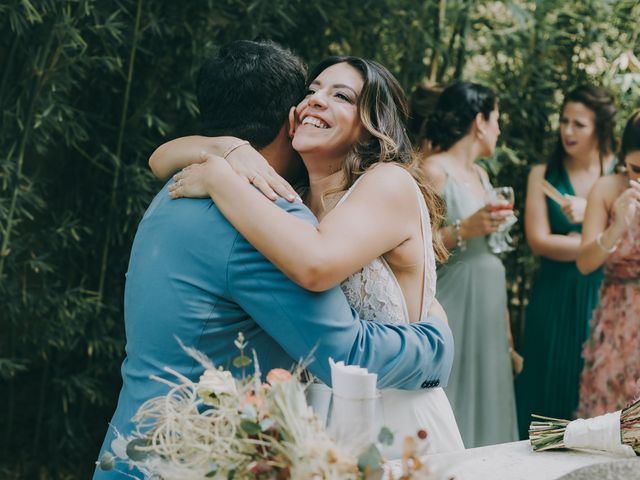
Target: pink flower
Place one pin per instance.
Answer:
(278, 375)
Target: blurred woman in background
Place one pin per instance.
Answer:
(611, 237)
(472, 284)
(421, 104)
(562, 299)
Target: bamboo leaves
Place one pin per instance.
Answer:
(88, 89)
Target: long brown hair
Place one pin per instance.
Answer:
(382, 107)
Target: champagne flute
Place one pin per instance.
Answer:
(501, 198)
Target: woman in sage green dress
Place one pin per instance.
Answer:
(562, 299)
(472, 285)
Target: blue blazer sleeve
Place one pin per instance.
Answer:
(404, 356)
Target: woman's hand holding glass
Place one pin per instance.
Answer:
(486, 220)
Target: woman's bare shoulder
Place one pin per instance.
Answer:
(388, 175)
(537, 171)
(608, 187)
(434, 171)
(389, 183)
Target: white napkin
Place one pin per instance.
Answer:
(352, 382)
(354, 419)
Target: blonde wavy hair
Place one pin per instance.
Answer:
(383, 111)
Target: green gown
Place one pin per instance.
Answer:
(556, 326)
(472, 289)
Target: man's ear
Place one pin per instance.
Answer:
(293, 121)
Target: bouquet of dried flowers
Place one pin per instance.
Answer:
(617, 432)
(226, 428)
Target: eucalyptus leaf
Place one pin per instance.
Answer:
(134, 452)
(385, 436)
(252, 428)
(370, 460)
(241, 361)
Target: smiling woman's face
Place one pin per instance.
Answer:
(329, 123)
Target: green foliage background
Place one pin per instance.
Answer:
(89, 88)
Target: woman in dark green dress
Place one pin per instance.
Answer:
(562, 299)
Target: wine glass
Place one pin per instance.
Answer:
(354, 423)
(501, 198)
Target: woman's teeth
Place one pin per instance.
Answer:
(316, 122)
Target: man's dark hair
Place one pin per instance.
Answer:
(247, 89)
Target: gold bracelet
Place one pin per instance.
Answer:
(241, 143)
(601, 245)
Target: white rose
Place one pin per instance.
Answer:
(216, 382)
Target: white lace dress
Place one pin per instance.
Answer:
(374, 292)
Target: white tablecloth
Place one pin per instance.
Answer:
(510, 461)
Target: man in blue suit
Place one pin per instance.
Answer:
(192, 276)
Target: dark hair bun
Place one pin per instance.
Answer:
(457, 107)
(446, 128)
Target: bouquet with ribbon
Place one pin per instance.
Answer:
(617, 432)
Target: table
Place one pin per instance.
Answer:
(510, 461)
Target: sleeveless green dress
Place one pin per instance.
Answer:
(556, 326)
(472, 289)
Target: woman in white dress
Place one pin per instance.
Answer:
(376, 215)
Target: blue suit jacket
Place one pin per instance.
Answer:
(193, 276)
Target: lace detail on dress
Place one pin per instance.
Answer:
(375, 294)
(374, 291)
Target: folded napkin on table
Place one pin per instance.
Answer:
(354, 419)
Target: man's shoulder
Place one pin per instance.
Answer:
(198, 212)
(298, 209)
(180, 232)
(206, 206)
